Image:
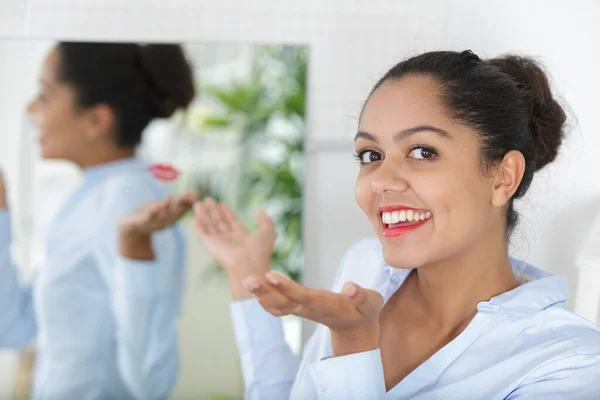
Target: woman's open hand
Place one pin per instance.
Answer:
(352, 315)
(136, 228)
(239, 251)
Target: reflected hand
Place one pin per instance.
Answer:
(352, 316)
(136, 228)
(3, 200)
(239, 251)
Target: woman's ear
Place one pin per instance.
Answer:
(99, 121)
(509, 174)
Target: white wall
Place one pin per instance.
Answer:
(352, 43)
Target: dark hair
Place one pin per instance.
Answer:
(506, 100)
(139, 82)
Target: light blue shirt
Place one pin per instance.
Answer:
(105, 326)
(520, 345)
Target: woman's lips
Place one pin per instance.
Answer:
(164, 172)
(400, 228)
(397, 220)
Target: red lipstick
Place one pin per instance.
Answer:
(164, 172)
(401, 227)
(401, 230)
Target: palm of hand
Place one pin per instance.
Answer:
(238, 250)
(157, 215)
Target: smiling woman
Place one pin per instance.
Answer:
(434, 307)
(103, 311)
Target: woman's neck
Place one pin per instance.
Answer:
(105, 157)
(449, 291)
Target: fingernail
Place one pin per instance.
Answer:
(250, 286)
(272, 279)
(350, 289)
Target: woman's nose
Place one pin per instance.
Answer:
(388, 177)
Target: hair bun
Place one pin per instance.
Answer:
(547, 116)
(168, 77)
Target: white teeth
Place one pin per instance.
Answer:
(394, 217)
(402, 215)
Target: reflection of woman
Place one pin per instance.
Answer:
(434, 308)
(105, 324)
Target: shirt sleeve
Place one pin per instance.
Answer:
(17, 317)
(146, 298)
(355, 376)
(268, 365)
(271, 371)
(575, 377)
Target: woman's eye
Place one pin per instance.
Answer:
(368, 156)
(422, 153)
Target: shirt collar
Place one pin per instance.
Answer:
(538, 290)
(92, 174)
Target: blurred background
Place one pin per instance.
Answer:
(351, 44)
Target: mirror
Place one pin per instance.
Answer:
(241, 141)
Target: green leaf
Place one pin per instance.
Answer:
(217, 121)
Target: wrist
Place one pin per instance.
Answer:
(240, 268)
(238, 291)
(355, 340)
(136, 246)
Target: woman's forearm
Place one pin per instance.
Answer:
(136, 246)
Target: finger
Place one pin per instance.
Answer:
(232, 219)
(276, 312)
(264, 221)
(181, 204)
(155, 209)
(189, 197)
(171, 213)
(156, 216)
(292, 290)
(268, 295)
(367, 302)
(215, 214)
(203, 223)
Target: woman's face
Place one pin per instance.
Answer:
(62, 126)
(420, 181)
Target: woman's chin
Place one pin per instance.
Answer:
(402, 258)
(48, 154)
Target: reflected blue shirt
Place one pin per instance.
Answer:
(105, 326)
(520, 345)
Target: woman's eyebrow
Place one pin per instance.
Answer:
(403, 134)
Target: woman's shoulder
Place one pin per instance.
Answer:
(578, 335)
(557, 352)
(129, 190)
(545, 341)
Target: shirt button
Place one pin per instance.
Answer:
(320, 390)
